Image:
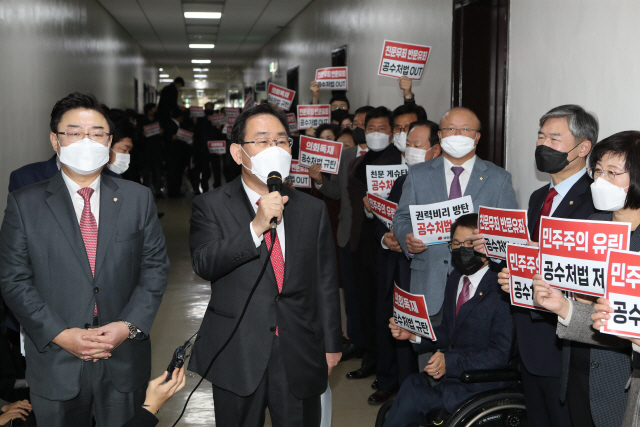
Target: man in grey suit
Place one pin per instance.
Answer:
(83, 267)
(458, 172)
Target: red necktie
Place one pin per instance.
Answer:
(89, 230)
(464, 294)
(363, 152)
(545, 211)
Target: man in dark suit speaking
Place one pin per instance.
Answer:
(83, 267)
(290, 337)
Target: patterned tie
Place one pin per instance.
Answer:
(545, 211)
(464, 294)
(456, 191)
(363, 152)
(89, 230)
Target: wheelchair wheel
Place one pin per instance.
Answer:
(503, 409)
(382, 413)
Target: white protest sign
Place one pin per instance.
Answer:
(432, 223)
(380, 178)
(280, 96)
(322, 152)
(410, 313)
(217, 147)
(218, 119)
(403, 59)
(196, 111)
(383, 209)
(333, 78)
(185, 135)
(501, 227)
(313, 115)
(151, 130)
(291, 121)
(623, 292)
(299, 175)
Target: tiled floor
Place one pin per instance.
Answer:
(180, 315)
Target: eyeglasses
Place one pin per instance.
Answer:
(281, 142)
(347, 126)
(398, 128)
(72, 136)
(456, 245)
(597, 172)
(463, 131)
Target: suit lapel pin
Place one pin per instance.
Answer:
(480, 293)
(481, 178)
(571, 203)
(115, 199)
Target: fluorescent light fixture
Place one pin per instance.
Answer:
(160, 69)
(201, 61)
(201, 46)
(163, 75)
(200, 76)
(166, 80)
(200, 69)
(203, 15)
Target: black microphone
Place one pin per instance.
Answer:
(274, 182)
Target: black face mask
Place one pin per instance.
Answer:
(358, 136)
(552, 161)
(466, 260)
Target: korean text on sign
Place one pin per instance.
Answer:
(573, 253)
(432, 223)
(381, 178)
(291, 121)
(298, 175)
(403, 59)
(501, 227)
(232, 112)
(281, 96)
(334, 78)
(410, 313)
(196, 111)
(151, 130)
(383, 209)
(218, 119)
(217, 147)
(319, 151)
(185, 135)
(313, 115)
(623, 292)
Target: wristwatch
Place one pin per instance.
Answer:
(133, 331)
(411, 98)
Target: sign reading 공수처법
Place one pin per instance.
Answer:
(313, 115)
(380, 178)
(299, 175)
(410, 313)
(333, 78)
(501, 227)
(403, 59)
(217, 147)
(281, 96)
(322, 152)
(432, 223)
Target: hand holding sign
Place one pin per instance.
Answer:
(315, 174)
(551, 299)
(504, 280)
(405, 85)
(315, 90)
(398, 333)
(391, 242)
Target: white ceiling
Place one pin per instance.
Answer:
(164, 34)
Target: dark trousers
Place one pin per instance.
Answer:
(216, 167)
(199, 174)
(354, 325)
(154, 163)
(274, 393)
(414, 401)
(176, 164)
(542, 398)
(98, 399)
(578, 398)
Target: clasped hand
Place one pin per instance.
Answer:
(93, 344)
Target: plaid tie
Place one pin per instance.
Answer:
(89, 230)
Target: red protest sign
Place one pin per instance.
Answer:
(403, 59)
(573, 253)
(380, 178)
(383, 209)
(523, 263)
(280, 96)
(218, 119)
(322, 152)
(333, 78)
(185, 135)
(151, 130)
(291, 120)
(232, 112)
(410, 313)
(313, 115)
(196, 111)
(501, 227)
(299, 175)
(623, 292)
(217, 147)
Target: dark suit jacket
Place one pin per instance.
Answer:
(480, 337)
(540, 348)
(142, 418)
(38, 172)
(307, 312)
(168, 101)
(47, 283)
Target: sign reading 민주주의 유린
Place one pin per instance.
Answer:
(383, 209)
(623, 292)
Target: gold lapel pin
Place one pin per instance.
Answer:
(480, 293)
(571, 202)
(481, 178)
(115, 199)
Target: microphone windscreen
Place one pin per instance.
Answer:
(274, 181)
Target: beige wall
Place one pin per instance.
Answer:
(363, 25)
(50, 48)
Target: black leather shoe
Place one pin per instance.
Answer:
(380, 396)
(350, 351)
(363, 372)
(374, 384)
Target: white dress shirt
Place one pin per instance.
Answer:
(257, 240)
(464, 176)
(564, 187)
(78, 201)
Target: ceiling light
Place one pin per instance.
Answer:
(203, 15)
(163, 75)
(160, 69)
(166, 80)
(201, 61)
(197, 76)
(200, 69)
(201, 46)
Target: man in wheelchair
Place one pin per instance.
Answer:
(476, 333)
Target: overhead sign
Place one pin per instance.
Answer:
(623, 292)
(280, 96)
(291, 120)
(151, 130)
(403, 59)
(333, 78)
(261, 86)
(573, 253)
(432, 223)
(217, 147)
(380, 178)
(410, 313)
(322, 152)
(185, 135)
(299, 175)
(383, 209)
(502, 227)
(313, 115)
(196, 111)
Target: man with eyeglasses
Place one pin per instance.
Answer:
(458, 172)
(83, 268)
(291, 336)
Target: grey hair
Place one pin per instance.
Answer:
(582, 124)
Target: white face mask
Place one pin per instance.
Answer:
(413, 156)
(121, 164)
(270, 160)
(458, 146)
(607, 196)
(84, 157)
(377, 141)
(400, 141)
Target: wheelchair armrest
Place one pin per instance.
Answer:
(490, 375)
